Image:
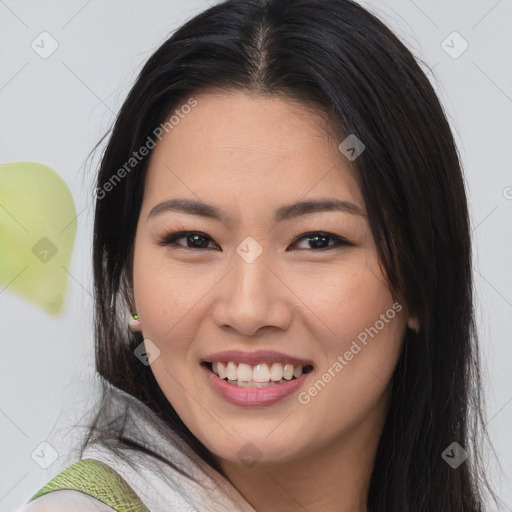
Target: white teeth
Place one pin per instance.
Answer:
(222, 370)
(244, 372)
(288, 371)
(261, 373)
(276, 372)
(232, 371)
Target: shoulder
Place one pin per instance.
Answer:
(64, 501)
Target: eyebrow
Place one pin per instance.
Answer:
(283, 213)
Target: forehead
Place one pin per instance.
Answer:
(234, 148)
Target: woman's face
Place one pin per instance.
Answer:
(249, 283)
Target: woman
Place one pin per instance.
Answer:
(282, 209)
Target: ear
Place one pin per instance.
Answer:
(413, 324)
(134, 324)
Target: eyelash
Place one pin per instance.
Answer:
(171, 237)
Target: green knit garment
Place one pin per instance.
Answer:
(98, 480)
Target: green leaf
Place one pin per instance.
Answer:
(37, 233)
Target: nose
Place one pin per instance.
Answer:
(253, 298)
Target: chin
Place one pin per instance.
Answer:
(262, 452)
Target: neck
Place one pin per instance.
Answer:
(333, 477)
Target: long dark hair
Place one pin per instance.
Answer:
(337, 56)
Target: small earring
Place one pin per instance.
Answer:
(134, 322)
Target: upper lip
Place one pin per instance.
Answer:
(260, 356)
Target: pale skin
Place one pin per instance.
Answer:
(248, 156)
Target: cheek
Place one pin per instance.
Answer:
(344, 299)
(165, 294)
(359, 331)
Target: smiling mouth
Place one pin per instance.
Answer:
(256, 376)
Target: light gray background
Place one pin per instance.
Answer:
(55, 110)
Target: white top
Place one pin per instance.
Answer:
(65, 501)
(160, 487)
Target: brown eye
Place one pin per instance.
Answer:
(320, 240)
(194, 239)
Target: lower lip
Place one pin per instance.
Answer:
(251, 397)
